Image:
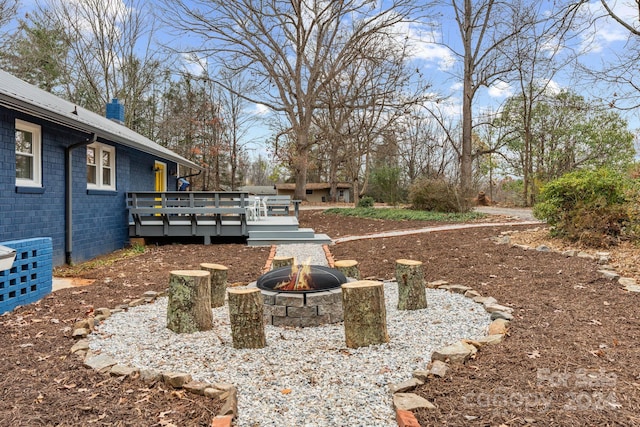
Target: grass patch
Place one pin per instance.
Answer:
(103, 261)
(405, 214)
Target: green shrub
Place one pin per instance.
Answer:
(436, 195)
(594, 207)
(366, 202)
(384, 185)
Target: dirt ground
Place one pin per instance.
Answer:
(570, 359)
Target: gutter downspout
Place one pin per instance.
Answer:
(68, 224)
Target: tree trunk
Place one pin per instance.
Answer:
(365, 315)
(246, 316)
(218, 282)
(467, 112)
(348, 267)
(189, 306)
(282, 261)
(301, 167)
(411, 288)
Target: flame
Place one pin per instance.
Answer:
(299, 279)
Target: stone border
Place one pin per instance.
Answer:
(106, 365)
(403, 401)
(602, 258)
(460, 352)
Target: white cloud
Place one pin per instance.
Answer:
(608, 31)
(553, 88)
(450, 108)
(500, 90)
(425, 44)
(194, 64)
(261, 110)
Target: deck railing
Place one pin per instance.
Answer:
(195, 213)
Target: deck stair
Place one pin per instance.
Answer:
(279, 237)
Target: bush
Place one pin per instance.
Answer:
(366, 202)
(594, 207)
(384, 185)
(436, 195)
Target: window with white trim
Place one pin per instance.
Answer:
(101, 167)
(28, 154)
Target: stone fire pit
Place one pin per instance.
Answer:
(302, 296)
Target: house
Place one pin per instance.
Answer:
(65, 172)
(317, 192)
(259, 190)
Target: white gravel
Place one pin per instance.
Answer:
(303, 253)
(303, 377)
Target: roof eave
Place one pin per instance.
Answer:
(74, 122)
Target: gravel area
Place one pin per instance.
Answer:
(304, 377)
(304, 253)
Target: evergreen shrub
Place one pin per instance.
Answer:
(595, 207)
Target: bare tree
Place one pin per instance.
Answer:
(423, 148)
(620, 71)
(361, 106)
(629, 26)
(110, 53)
(290, 49)
(537, 52)
(8, 9)
(237, 122)
(484, 27)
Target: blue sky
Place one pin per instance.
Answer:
(436, 61)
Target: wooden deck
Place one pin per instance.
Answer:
(210, 215)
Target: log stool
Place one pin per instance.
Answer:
(411, 288)
(365, 315)
(218, 282)
(348, 267)
(282, 261)
(189, 306)
(246, 308)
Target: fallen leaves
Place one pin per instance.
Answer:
(534, 354)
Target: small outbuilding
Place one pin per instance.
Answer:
(318, 192)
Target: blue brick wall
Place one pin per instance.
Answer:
(30, 277)
(100, 223)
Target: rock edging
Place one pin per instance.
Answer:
(603, 259)
(106, 365)
(460, 352)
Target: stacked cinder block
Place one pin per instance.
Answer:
(302, 310)
(30, 278)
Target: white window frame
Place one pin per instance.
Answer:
(100, 149)
(36, 155)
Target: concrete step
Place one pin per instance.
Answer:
(320, 239)
(300, 233)
(266, 226)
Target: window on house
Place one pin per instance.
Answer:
(28, 154)
(308, 191)
(101, 170)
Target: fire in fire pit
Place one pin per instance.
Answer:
(301, 278)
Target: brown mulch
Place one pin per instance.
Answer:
(570, 359)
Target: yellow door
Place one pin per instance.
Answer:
(161, 180)
(161, 177)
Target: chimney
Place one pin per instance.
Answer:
(115, 111)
